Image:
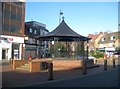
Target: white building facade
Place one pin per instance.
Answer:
(10, 47)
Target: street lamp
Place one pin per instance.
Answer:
(87, 49)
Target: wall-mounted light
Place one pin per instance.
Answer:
(26, 38)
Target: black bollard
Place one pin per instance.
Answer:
(84, 69)
(105, 64)
(113, 63)
(50, 71)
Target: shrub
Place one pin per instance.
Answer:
(97, 54)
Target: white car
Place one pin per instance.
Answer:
(89, 58)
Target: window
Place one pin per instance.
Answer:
(19, 17)
(30, 40)
(12, 29)
(5, 28)
(112, 38)
(13, 16)
(110, 44)
(30, 30)
(35, 31)
(18, 3)
(6, 14)
(7, 7)
(3, 6)
(103, 39)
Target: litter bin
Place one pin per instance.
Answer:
(43, 65)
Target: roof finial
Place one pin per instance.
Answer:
(63, 18)
(60, 14)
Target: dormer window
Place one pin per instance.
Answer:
(30, 30)
(112, 37)
(103, 39)
(35, 31)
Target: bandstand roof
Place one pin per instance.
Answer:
(64, 33)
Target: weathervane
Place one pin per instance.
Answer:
(60, 15)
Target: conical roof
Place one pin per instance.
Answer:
(63, 30)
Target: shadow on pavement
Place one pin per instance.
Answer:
(23, 78)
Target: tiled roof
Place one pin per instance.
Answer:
(63, 30)
(93, 36)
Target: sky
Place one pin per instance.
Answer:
(82, 17)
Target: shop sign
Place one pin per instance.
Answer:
(6, 39)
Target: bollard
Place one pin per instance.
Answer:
(10, 61)
(113, 63)
(50, 71)
(105, 64)
(84, 69)
(95, 61)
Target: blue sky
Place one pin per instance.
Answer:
(83, 17)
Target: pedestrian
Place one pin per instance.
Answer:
(105, 56)
(29, 56)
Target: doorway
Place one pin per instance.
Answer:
(4, 54)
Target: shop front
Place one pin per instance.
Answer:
(10, 47)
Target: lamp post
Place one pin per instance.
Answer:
(23, 46)
(87, 49)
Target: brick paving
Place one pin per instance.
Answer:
(11, 78)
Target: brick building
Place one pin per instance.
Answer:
(32, 46)
(109, 42)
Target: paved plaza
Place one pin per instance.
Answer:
(104, 79)
(68, 78)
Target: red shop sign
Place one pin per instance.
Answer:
(10, 39)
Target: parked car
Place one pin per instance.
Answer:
(89, 57)
(117, 52)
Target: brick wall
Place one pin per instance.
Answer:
(70, 64)
(34, 66)
(18, 63)
(66, 64)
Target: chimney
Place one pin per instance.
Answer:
(101, 32)
(105, 32)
